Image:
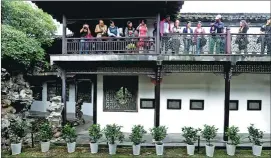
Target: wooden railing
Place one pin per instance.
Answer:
(174, 44)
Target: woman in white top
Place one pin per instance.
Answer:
(199, 37)
(176, 37)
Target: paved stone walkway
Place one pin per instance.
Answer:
(172, 139)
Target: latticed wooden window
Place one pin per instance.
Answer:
(84, 91)
(55, 89)
(120, 93)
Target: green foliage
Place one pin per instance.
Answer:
(158, 134)
(18, 129)
(18, 48)
(46, 132)
(95, 133)
(113, 133)
(137, 134)
(31, 20)
(255, 135)
(209, 133)
(232, 133)
(69, 133)
(25, 30)
(190, 134)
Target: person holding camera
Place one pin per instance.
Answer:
(85, 34)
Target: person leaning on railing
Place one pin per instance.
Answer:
(187, 39)
(219, 41)
(242, 39)
(85, 34)
(113, 32)
(266, 38)
(165, 29)
(142, 32)
(101, 31)
(130, 32)
(176, 37)
(199, 38)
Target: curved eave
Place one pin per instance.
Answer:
(105, 9)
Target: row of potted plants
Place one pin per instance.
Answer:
(114, 136)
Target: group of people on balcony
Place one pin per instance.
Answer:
(170, 36)
(101, 30)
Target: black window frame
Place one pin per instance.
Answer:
(196, 100)
(254, 101)
(58, 84)
(175, 100)
(237, 105)
(37, 90)
(78, 89)
(147, 99)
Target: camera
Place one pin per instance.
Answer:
(85, 27)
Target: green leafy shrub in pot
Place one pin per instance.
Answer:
(232, 134)
(18, 129)
(158, 134)
(137, 134)
(69, 133)
(209, 133)
(190, 134)
(255, 135)
(45, 132)
(113, 133)
(95, 133)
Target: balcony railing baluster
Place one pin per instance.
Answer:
(174, 44)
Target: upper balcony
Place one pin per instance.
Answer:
(172, 47)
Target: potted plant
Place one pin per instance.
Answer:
(159, 133)
(113, 133)
(255, 136)
(209, 133)
(69, 135)
(233, 140)
(95, 134)
(191, 135)
(45, 135)
(17, 131)
(136, 137)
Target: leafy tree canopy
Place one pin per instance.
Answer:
(25, 31)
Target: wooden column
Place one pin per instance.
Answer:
(64, 40)
(228, 40)
(63, 96)
(227, 78)
(157, 94)
(94, 81)
(158, 34)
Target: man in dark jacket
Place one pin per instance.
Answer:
(219, 41)
(266, 29)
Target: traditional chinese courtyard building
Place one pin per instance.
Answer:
(154, 87)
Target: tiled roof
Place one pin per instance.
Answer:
(250, 17)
